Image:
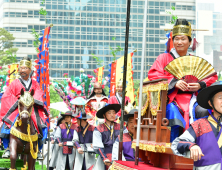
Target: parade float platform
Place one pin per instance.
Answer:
(154, 144)
(130, 165)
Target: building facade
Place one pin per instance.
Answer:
(85, 27)
(209, 17)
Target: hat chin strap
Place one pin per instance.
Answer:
(109, 120)
(219, 118)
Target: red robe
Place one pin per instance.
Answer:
(91, 106)
(182, 99)
(9, 105)
(113, 100)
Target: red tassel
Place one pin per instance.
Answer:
(168, 45)
(195, 44)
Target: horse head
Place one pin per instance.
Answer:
(25, 105)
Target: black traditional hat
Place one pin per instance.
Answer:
(59, 120)
(106, 108)
(68, 113)
(130, 114)
(206, 94)
(82, 115)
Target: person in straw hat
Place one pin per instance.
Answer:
(182, 106)
(202, 141)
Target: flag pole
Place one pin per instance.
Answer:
(141, 85)
(124, 78)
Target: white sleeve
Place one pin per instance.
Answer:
(97, 140)
(57, 133)
(115, 151)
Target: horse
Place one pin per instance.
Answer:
(23, 137)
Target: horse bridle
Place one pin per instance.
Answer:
(26, 100)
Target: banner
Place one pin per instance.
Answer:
(112, 84)
(116, 73)
(169, 42)
(99, 74)
(42, 69)
(12, 68)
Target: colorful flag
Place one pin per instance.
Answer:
(12, 68)
(42, 69)
(99, 74)
(116, 73)
(169, 42)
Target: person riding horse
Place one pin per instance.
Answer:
(23, 137)
(10, 100)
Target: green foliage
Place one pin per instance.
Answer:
(136, 87)
(43, 1)
(173, 17)
(54, 112)
(36, 35)
(115, 51)
(36, 42)
(4, 71)
(106, 90)
(7, 52)
(98, 60)
(54, 98)
(43, 12)
(220, 76)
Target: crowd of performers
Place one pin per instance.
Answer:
(73, 144)
(193, 109)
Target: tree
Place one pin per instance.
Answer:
(115, 51)
(7, 52)
(136, 87)
(106, 90)
(54, 97)
(36, 41)
(173, 17)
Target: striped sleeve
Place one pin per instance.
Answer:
(57, 135)
(182, 144)
(98, 144)
(75, 140)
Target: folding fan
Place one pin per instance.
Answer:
(191, 69)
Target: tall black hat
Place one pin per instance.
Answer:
(68, 113)
(82, 115)
(206, 94)
(106, 108)
(59, 120)
(130, 114)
